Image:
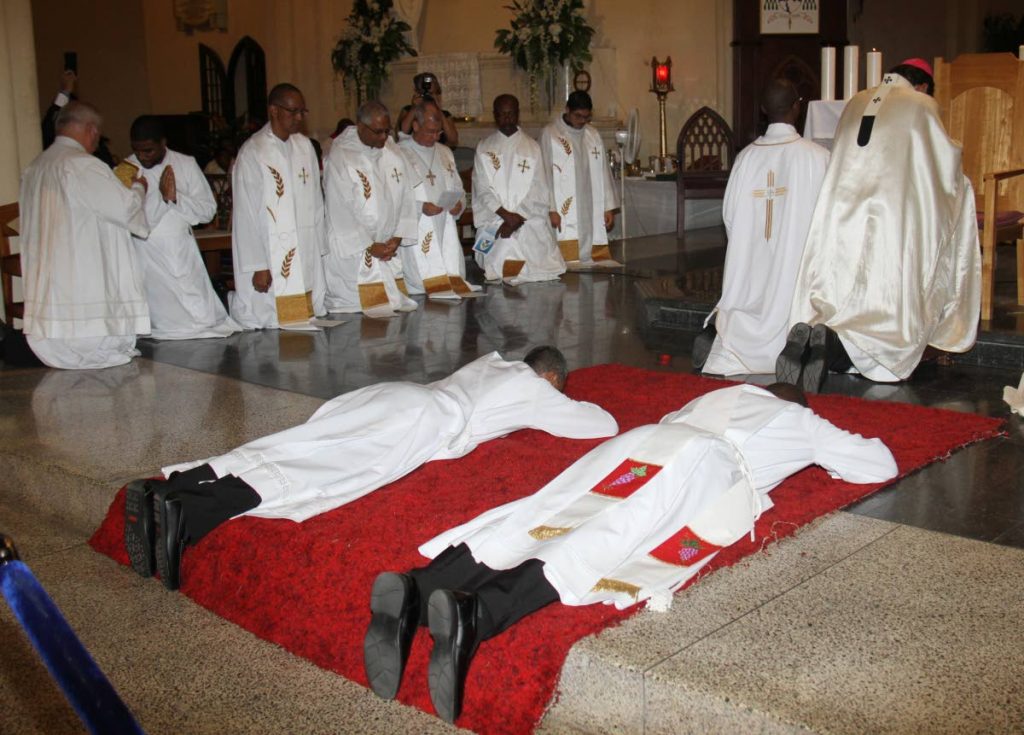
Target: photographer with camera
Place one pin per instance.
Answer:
(428, 88)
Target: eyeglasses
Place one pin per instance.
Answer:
(382, 131)
(293, 110)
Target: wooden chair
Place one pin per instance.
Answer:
(10, 264)
(981, 102)
(705, 150)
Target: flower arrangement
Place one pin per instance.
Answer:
(371, 40)
(545, 36)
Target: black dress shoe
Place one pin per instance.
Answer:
(815, 368)
(790, 362)
(395, 605)
(138, 525)
(702, 344)
(452, 620)
(168, 544)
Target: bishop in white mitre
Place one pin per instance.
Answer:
(511, 201)
(767, 208)
(84, 300)
(364, 439)
(182, 302)
(892, 263)
(370, 210)
(583, 195)
(278, 233)
(433, 262)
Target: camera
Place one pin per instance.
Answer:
(424, 84)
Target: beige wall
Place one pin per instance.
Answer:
(110, 39)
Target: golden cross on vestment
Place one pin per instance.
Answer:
(596, 153)
(524, 166)
(770, 193)
(430, 177)
(303, 175)
(396, 176)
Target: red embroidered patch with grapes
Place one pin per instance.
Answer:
(684, 548)
(626, 479)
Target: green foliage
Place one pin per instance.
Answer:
(370, 42)
(546, 35)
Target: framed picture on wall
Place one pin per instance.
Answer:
(789, 16)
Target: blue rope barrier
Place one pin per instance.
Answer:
(93, 697)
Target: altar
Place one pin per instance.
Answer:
(651, 209)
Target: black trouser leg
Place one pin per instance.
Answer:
(835, 354)
(503, 596)
(208, 500)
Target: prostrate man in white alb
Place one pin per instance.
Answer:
(892, 263)
(351, 446)
(583, 195)
(511, 201)
(278, 235)
(84, 301)
(433, 263)
(772, 189)
(370, 210)
(182, 302)
(631, 520)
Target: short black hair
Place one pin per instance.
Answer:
(147, 127)
(548, 359)
(915, 76)
(276, 96)
(579, 100)
(778, 98)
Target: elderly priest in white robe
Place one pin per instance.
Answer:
(182, 302)
(767, 209)
(84, 300)
(370, 210)
(510, 204)
(583, 195)
(277, 221)
(351, 446)
(633, 519)
(892, 263)
(433, 262)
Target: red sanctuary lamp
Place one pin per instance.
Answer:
(661, 85)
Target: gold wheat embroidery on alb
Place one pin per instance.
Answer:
(272, 216)
(565, 206)
(367, 189)
(286, 264)
(278, 181)
(495, 161)
(427, 239)
(565, 146)
(367, 258)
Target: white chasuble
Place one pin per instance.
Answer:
(582, 189)
(277, 225)
(772, 189)
(364, 439)
(433, 262)
(369, 200)
(507, 174)
(84, 299)
(892, 261)
(641, 514)
(182, 302)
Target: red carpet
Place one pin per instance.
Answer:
(306, 586)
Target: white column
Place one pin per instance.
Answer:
(20, 137)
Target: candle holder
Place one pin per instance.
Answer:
(661, 85)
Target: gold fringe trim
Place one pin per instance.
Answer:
(511, 268)
(543, 533)
(570, 249)
(294, 307)
(400, 282)
(372, 294)
(459, 286)
(614, 585)
(601, 252)
(436, 284)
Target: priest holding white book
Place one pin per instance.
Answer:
(433, 262)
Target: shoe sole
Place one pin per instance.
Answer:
(138, 527)
(813, 377)
(441, 671)
(790, 362)
(382, 659)
(163, 561)
(701, 350)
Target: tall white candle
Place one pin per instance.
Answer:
(873, 68)
(828, 73)
(851, 71)
(1020, 53)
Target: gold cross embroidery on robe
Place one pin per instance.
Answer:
(304, 175)
(770, 192)
(524, 166)
(430, 177)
